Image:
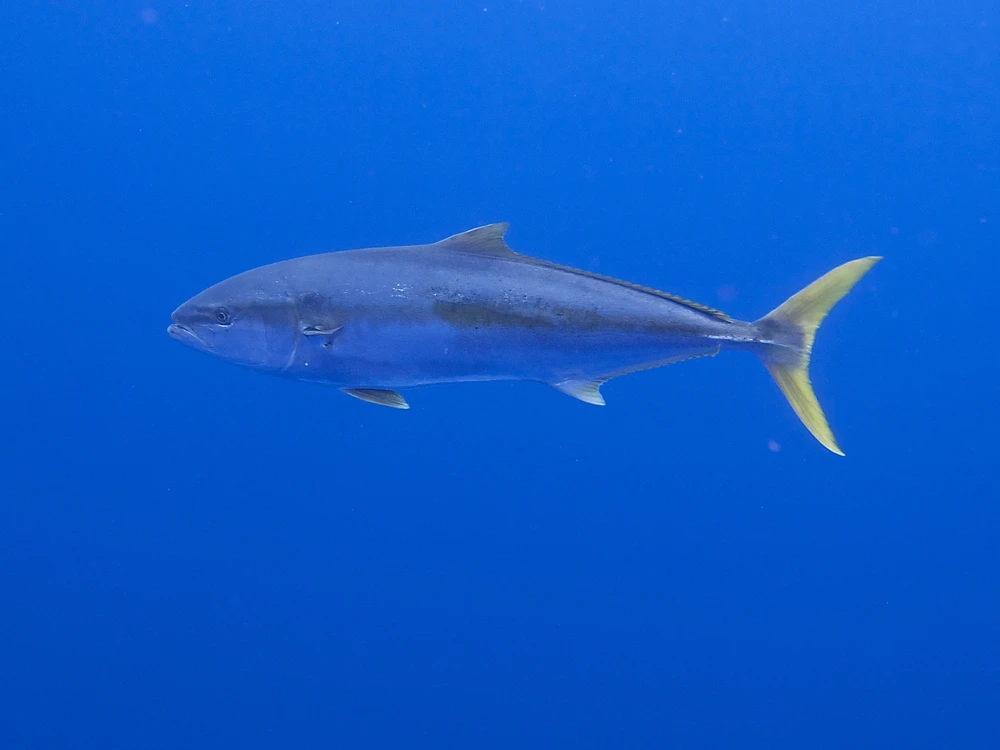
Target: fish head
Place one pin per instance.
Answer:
(246, 319)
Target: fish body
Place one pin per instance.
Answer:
(468, 308)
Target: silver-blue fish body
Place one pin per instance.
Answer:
(465, 309)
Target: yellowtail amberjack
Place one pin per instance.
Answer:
(468, 308)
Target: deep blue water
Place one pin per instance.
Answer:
(195, 555)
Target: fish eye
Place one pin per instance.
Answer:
(222, 316)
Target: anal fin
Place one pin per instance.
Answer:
(588, 391)
(379, 396)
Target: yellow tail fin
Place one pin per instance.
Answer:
(791, 328)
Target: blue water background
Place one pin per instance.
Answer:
(196, 555)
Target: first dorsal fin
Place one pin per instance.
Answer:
(487, 240)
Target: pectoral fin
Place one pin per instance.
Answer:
(320, 330)
(378, 396)
(588, 391)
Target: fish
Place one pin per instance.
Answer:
(376, 321)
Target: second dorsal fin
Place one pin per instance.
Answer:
(487, 240)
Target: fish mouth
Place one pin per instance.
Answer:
(185, 335)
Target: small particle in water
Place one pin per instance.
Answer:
(148, 16)
(727, 292)
(774, 446)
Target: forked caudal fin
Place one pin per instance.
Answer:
(788, 333)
